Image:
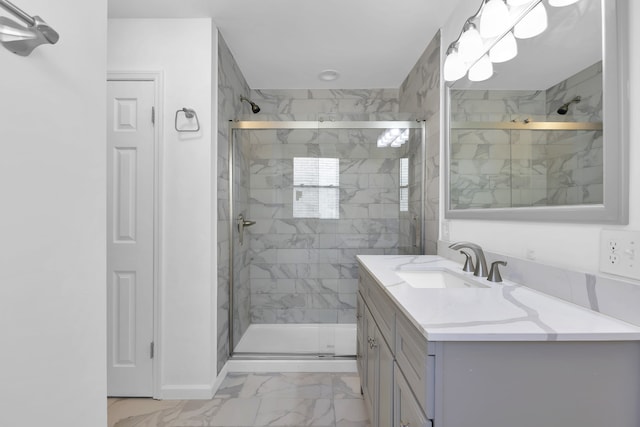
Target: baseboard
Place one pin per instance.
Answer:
(187, 392)
(220, 378)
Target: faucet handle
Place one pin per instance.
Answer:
(468, 263)
(494, 272)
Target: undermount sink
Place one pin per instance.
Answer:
(437, 279)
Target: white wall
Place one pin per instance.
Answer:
(566, 245)
(52, 228)
(182, 49)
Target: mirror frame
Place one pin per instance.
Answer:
(615, 76)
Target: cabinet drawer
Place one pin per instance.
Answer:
(383, 313)
(382, 308)
(408, 412)
(413, 359)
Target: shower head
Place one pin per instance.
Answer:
(254, 107)
(564, 109)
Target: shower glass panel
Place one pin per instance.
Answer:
(319, 194)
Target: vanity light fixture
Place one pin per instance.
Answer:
(493, 30)
(533, 23)
(494, 20)
(561, 3)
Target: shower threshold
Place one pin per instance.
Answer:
(313, 341)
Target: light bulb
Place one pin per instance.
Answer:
(505, 49)
(561, 3)
(454, 67)
(513, 3)
(494, 20)
(470, 45)
(481, 70)
(534, 23)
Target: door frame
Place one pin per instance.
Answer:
(157, 77)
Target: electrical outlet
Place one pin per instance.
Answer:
(620, 253)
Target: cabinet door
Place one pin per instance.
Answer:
(370, 364)
(384, 383)
(360, 337)
(407, 412)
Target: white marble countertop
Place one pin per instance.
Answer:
(504, 311)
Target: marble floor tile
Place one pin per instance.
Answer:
(346, 386)
(218, 412)
(141, 412)
(350, 412)
(295, 412)
(254, 400)
(298, 385)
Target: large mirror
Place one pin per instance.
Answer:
(545, 138)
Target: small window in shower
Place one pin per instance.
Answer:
(316, 192)
(404, 184)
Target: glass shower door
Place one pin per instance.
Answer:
(318, 197)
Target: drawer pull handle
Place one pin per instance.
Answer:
(403, 424)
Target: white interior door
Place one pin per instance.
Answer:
(130, 225)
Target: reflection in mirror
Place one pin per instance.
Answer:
(498, 160)
(531, 142)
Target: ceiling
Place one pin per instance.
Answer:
(285, 44)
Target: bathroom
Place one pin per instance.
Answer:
(54, 238)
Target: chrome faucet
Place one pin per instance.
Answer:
(481, 263)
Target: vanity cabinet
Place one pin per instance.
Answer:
(408, 412)
(502, 381)
(378, 374)
(388, 396)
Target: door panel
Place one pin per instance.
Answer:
(130, 225)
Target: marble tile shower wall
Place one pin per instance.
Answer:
(231, 84)
(493, 167)
(303, 270)
(575, 172)
(502, 168)
(420, 96)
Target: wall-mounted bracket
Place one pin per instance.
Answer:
(22, 40)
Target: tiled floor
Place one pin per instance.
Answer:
(244, 400)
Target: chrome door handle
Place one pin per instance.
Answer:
(241, 223)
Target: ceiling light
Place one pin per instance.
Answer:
(505, 50)
(561, 3)
(481, 70)
(534, 23)
(328, 75)
(494, 20)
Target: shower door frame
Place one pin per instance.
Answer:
(316, 125)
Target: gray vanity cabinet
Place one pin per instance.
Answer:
(377, 374)
(360, 336)
(407, 410)
(508, 383)
(388, 395)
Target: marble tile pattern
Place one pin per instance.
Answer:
(576, 162)
(420, 95)
(520, 168)
(617, 298)
(231, 84)
(255, 399)
(303, 270)
(505, 311)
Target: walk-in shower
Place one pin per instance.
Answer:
(305, 199)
